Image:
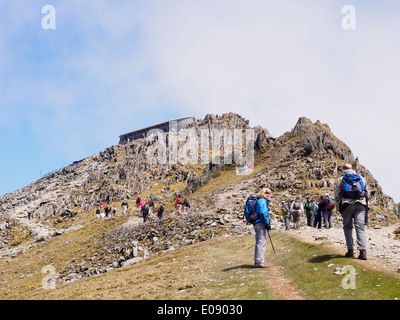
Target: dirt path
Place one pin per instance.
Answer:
(382, 247)
(281, 285)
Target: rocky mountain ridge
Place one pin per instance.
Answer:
(304, 161)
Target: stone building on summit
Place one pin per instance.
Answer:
(179, 123)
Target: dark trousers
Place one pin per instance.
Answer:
(317, 220)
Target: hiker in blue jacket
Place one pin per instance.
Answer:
(260, 227)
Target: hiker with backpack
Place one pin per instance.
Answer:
(325, 207)
(309, 209)
(124, 206)
(296, 212)
(160, 210)
(186, 206)
(178, 204)
(107, 211)
(138, 205)
(98, 213)
(145, 212)
(285, 214)
(351, 196)
(257, 212)
(317, 215)
(151, 206)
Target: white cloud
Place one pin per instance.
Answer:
(275, 61)
(129, 63)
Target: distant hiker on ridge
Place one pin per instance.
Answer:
(151, 206)
(138, 206)
(124, 206)
(145, 212)
(186, 206)
(178, 204)
(160, 210)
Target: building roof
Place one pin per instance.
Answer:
(153, 126)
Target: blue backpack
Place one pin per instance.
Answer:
(250, 209)
(353, 186)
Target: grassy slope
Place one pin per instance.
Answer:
(222, 269)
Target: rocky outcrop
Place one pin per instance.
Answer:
(131, 243)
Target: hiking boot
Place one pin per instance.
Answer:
(261, 265)
(349, 253)
(363, 255)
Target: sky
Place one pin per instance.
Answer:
(104, 68)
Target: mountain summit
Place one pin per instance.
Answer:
(305, 161)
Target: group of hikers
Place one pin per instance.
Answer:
(315, 212)
(146, 208)
(350, 199)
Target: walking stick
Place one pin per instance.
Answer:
(271, 241)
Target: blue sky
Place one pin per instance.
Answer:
(110, 67)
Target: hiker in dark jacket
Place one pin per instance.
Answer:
(145, 213)
(325, 211)
(186, 206)
(98, 213)
(309, 209)
(160, 210)
(138, 203)
(317, 215)
(260, 227)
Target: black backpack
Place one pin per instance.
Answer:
(250, 209)
(309, 205)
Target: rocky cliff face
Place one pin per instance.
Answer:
(308, 160)
(305, 161)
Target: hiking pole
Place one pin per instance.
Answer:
(271, 241)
